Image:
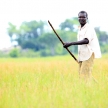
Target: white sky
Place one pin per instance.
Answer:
(17, 11)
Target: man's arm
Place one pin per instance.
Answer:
(84, 41)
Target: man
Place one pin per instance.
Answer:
(88, 46)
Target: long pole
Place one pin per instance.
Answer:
(62, 41)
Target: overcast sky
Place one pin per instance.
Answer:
(17, 11)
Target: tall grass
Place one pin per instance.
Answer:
(51, 83)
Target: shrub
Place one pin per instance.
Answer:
(14, 53)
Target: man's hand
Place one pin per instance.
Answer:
(66, 45)
(81, 42)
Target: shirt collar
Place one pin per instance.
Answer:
(83, 26)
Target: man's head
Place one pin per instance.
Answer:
(82, 17)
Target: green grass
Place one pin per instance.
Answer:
(51, 82)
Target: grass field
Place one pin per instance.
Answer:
(51, 83)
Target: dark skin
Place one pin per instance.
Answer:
(82, 17)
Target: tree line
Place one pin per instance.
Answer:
(38, 37)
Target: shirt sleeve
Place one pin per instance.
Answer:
(89, 34)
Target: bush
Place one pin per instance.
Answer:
(29, 53)
(14, 53)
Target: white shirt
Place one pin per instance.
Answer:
(85, 51)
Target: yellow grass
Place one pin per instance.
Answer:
(51, 83)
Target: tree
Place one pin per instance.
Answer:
(11, 30)
(27, 34)
(102, 35)
(49, 40)
(69, 24)
(103, 39)
(68, 31)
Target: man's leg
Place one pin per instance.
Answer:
(85, 68)
(80, 64)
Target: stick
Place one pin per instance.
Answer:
(62, 42)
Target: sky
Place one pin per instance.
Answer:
(17, 11)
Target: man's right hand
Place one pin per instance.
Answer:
(66, 45)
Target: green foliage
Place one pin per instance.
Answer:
(69, 24)
(59, 49)
(45, 53)
(27, 34)
(14, 53)
(105, 48)
(3, 54)
(29, 53)
(102, 36)
(49, 41)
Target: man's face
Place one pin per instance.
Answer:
(82, 18)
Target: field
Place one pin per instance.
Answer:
(51, 82)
